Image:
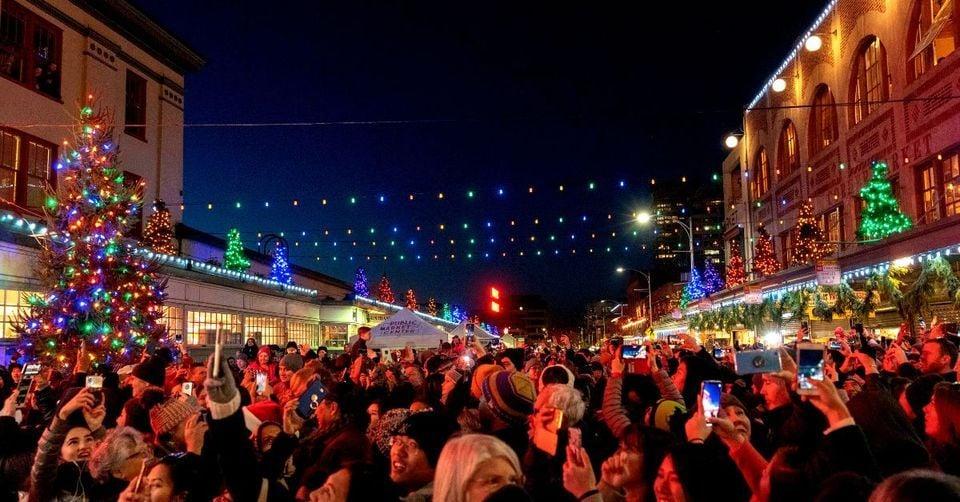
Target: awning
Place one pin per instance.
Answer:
(939, 22)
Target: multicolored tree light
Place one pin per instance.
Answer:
(809, 243)
(360, 286)
(280, 268)
(384, 292)
(764, 255)
(411, 298)
(736, 274)
(158, 235)
(98, 291)
(233, 258)
(881, 217)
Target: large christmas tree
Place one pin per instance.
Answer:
(233, 258)
(98, 289)
(881, 217)
(360, 286)
(158, 235)
(809, 243)
(764, 255)
(736, 274)
(280, 268)
(412, 300)
(712, 282)
(384, 293)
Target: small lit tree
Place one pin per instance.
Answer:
(736, 274)
(384, 292)
(412, 300)
(158, 235)
(360, 286)
(432, 307)
(280, 268)
(233, 258)
(809, 243)
(764, 255)
(881, 217)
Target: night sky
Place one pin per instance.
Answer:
(471, 96)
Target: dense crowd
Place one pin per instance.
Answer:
(467, 422)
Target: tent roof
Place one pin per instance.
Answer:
(405, 328)
(479, 332)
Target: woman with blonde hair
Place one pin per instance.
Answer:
(473, 466)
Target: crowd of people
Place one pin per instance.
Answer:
(464, 422)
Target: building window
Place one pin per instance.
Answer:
(172, 318)
(12, 302)
(335, 335)
(786, 243)
(202, 328)
(736, 186)
(931, 35)
(304, 333)
(951, 184)
(30, 49)
(25, 168)
(761, 178)
(788, 153)
(823, 120)
(265, 330)
(136, 106)
(929, 198)
(871, 84)
(831, 225)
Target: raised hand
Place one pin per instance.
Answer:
(828, 401)
(82, 399)
(614, 472)
(697, 428)
(94, 416)
(194, 434)
(578, 476)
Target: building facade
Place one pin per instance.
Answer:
(683, 201)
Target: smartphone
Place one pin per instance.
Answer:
(809, 366)
(547, 439)
(749, 362)
(261, 383)
(710, 398)
(718, 352)
(30, 371)
(834, 345)
(95, 384)
(470, 332)
(311, 399)
(186, 388)
(634, 352)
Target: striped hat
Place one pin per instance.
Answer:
(479, 376)
(510, 395)
(165, 416)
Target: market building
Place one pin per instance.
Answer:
(870, 81)
(53, 54)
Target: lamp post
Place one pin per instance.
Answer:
(644, 218)
(649, 290)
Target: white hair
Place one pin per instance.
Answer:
(459, 461)
(565, 398)
(118, 445)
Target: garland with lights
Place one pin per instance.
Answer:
(384, 292)
(158, 235)
(764, 255)
(280, 268)
(712, 282)
(360, 282)
(233, 257)
(411, 298)
(432, 307)
(809, 243)
(881, 217)
(99, 291)
(736, 274)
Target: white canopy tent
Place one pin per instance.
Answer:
(483, 335)
(403, 329)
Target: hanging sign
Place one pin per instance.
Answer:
(752, 295)
(828, 272)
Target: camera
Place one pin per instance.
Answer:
(616, 342)
(749, 362)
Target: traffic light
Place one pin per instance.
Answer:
(495, 306)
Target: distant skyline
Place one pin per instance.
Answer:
(469, 96)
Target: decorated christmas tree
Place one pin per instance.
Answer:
(280, 268)
(384, 293)
(764, 256)
(412, 300)
(695, 288)
(99, 291)
(360, 286)
(881, 217)
(809, 243)
(158, 235)
(458, 314)
(446, 313)
(432, 307)
(712, 281)
(736, 275)
(233, 258)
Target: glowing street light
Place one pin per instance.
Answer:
(779, 85)
(731, 141)
(643, 217)
(813, 43)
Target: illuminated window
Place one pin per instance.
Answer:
(202, 328)
(11, 302)
(25, 168)
(30, 49)
(951, 184)
(931, 30)
(334, 335)
(789, 154)
(304, 333)
(871, 84)
(265, 330)
(173, 319)
(761, 179)
(823, 120)
(929, 198)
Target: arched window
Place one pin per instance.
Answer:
(870, 84)
(788, 151)
(930, 36)
(761, 175)
(823, 120)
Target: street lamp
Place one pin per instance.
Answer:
(649, 278)
(644, 217)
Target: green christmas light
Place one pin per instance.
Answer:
(234, 259)
(881, 217)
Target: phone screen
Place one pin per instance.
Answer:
(809, 366)
(26, 379)
(634, 352)
(710, 398)
(186, 388)
(311, 399)
(261, 382)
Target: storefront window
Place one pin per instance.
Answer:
(304, 333)
(11, 303)
(202, 328)
(265, 330)
(173, 320)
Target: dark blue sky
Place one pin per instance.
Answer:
(523, 93)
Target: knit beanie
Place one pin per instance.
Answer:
(731, 400)
(150, 371)
(165, 416)
(430, 430)
(515, 356)
(479, 375)
(265, 349)
(510, 396)
(390, 423)
(293, 362)
(664, 412)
